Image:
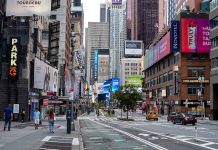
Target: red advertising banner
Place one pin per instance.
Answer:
(195, 35)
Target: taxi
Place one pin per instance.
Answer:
(152, 115)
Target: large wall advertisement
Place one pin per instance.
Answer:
(159, 51)
(134, 80)
(45, 76)
(28, 7)
(96, 65)
(195, 35)
(133, 48)
(175, 35)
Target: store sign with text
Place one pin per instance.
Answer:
(175, 36)
(14, 48)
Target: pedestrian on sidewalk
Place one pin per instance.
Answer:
(37, 118)
(22, 115)
(51, 118)
(8, 115)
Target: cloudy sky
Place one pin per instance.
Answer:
(91, 10)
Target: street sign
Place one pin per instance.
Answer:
(16, 108)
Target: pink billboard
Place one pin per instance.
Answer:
(162, 48)
(195, 35)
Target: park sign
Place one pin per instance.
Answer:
(28, 7)
(14, 47)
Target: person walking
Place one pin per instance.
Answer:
(51, 118)
(37, 118)
(22, 115)
(8, 115)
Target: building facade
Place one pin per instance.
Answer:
(130, 67)
(118, 35)
(97, 39)
(179, 80)
(214, 58)
(147, 20)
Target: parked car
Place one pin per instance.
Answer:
(184, 119)
(152, 115)
(171, 116)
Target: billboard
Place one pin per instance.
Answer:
(45, 76)
(116, 1)
(159, 51)
(115, 85)
(195, 35)
(175, 35)
(96, 65)
(133, 48)
(28, 7)
(134, 80)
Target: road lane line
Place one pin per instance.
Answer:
(133, 136)
(47, 138)
(174, 138)
(75, 141)
(206, 144)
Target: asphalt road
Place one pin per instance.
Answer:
(101, 133)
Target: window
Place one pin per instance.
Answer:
(169, 90)
(214, 42)
(165, 77)
(214, 63)
(170, 75)
(193, 89)
(214, 22)
(196, 71)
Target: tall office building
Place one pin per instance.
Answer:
(131, 20)
(214, 58)
(117, 36)
(103, 12)
(147, 20)
(97, 39)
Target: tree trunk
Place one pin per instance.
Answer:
(127, 116)
(121, 112)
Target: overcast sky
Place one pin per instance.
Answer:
(91, 10)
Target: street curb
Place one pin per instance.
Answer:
(80, 138)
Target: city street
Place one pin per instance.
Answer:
(111, 133)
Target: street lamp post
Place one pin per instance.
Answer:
(201, 80)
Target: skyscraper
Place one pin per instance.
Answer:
(103, 12)
(117, 36)
(147, 20)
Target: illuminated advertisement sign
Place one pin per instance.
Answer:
(159, 51)
(96, 64)
(134, 80)
(116, 1)
(13, 68)
(28, 7)
(175, 36)
(195, 35)
(115, 84)
(133, 48)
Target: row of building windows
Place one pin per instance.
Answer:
(162, 65)
(161, 79)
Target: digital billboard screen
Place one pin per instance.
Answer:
(175, 35)
(195, 35)
(133, 48)
(28, 7)
(115, 84)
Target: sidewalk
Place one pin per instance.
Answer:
(27, 128)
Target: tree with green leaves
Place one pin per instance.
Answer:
(127, 97)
